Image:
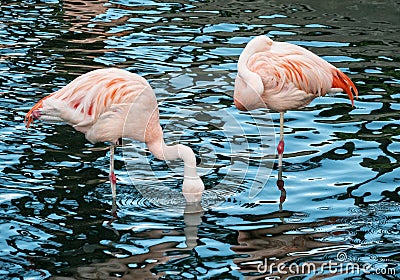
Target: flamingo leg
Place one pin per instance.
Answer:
(113, 179)
(113, 182)
(281, 147)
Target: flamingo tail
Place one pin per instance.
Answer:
(340, 80)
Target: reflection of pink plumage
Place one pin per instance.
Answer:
(283, 76)
(109, 104)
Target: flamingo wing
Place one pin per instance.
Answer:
(100, 104)
(85, 99)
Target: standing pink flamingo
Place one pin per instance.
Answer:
(109, 104)
(283, 76)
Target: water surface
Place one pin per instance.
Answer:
(341, 167)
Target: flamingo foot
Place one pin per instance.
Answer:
(281, 147)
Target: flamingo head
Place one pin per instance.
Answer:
(192, 188)
(239, 105)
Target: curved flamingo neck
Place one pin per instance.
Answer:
(250, 77)
(257, 44)
(249, 87)
(164, 152)
(192, 186)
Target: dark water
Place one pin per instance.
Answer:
(341, 168)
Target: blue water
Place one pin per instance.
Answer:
(341, 165)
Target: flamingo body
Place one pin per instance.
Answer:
(109, 104)
(283, 76)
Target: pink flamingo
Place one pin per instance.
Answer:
(282, 76)
(109, 104)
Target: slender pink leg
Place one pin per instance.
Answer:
(113, 182)
(281, 147)
(113, 179)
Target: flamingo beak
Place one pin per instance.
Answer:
(239, 105)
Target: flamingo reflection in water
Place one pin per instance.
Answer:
(280, 244)
(148, 264)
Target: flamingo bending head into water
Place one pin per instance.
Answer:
(282, 76)
(109, 104)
